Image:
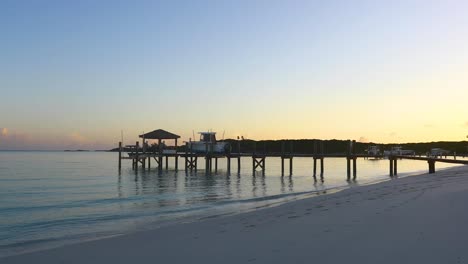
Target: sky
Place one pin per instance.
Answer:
(79, 74)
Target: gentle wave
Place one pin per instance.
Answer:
(57, 198)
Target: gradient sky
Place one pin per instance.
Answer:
(73, 74)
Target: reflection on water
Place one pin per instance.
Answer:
(51, 198)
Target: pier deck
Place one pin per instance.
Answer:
(258, 159)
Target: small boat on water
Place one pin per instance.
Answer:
(398, 151)
(373, 151)
(438, 152)
(208, 143)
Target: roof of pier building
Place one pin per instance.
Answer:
(159, 134)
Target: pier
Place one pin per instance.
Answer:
(393, 168)
(144, 154)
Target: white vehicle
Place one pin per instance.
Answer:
(208, 144)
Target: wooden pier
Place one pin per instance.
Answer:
(430, 161)
(142, 155)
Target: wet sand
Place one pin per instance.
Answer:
(417, 219)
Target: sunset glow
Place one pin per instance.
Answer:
(75, 75)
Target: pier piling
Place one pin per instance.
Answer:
(431, 166)
(137, 144)
(354, 159)
(390, 158)
(120, 155)
(395, 166)
(322, 153)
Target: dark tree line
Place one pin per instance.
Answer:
(334, 146)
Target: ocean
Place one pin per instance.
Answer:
(51, 198)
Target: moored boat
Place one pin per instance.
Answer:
(208, 143)
(398, 151)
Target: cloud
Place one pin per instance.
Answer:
(16, 140)
(13, 140)
(77, 138)
(363, 140)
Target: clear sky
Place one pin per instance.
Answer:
(74, 74)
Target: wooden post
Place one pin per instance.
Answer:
(263, 164)
(228, 164)
(391, 165)
(160, 158)
(290, 165)
(211, 164)
(321, 168)
(282, 158)
(149, 163)
(238, 163)
(186, 156)
(216, 164)
(315, 166)
(315, 158)
(167, 162)
(191, 159)
(120, 155)
(354, 168)
(291, 151)
(348, 161)
(395, 166)
(253, 165)
(348, 168)
(254, 150)
(431, 166)
(322, 152)
(176, 162)
(282, 166)
(136, 154)
(354, 159)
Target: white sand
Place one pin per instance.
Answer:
(419, 219)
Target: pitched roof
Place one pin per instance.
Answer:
(159, 134)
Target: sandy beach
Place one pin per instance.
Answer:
(417, 219)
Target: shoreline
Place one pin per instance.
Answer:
(230, 208)
(354, 218)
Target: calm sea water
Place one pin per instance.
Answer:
(49, 199)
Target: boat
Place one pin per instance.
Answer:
(398, 151)
(438, 152)
(208, 143)
(373, 151)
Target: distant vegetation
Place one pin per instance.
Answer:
(306, 146)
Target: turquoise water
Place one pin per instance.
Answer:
(49, 199)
